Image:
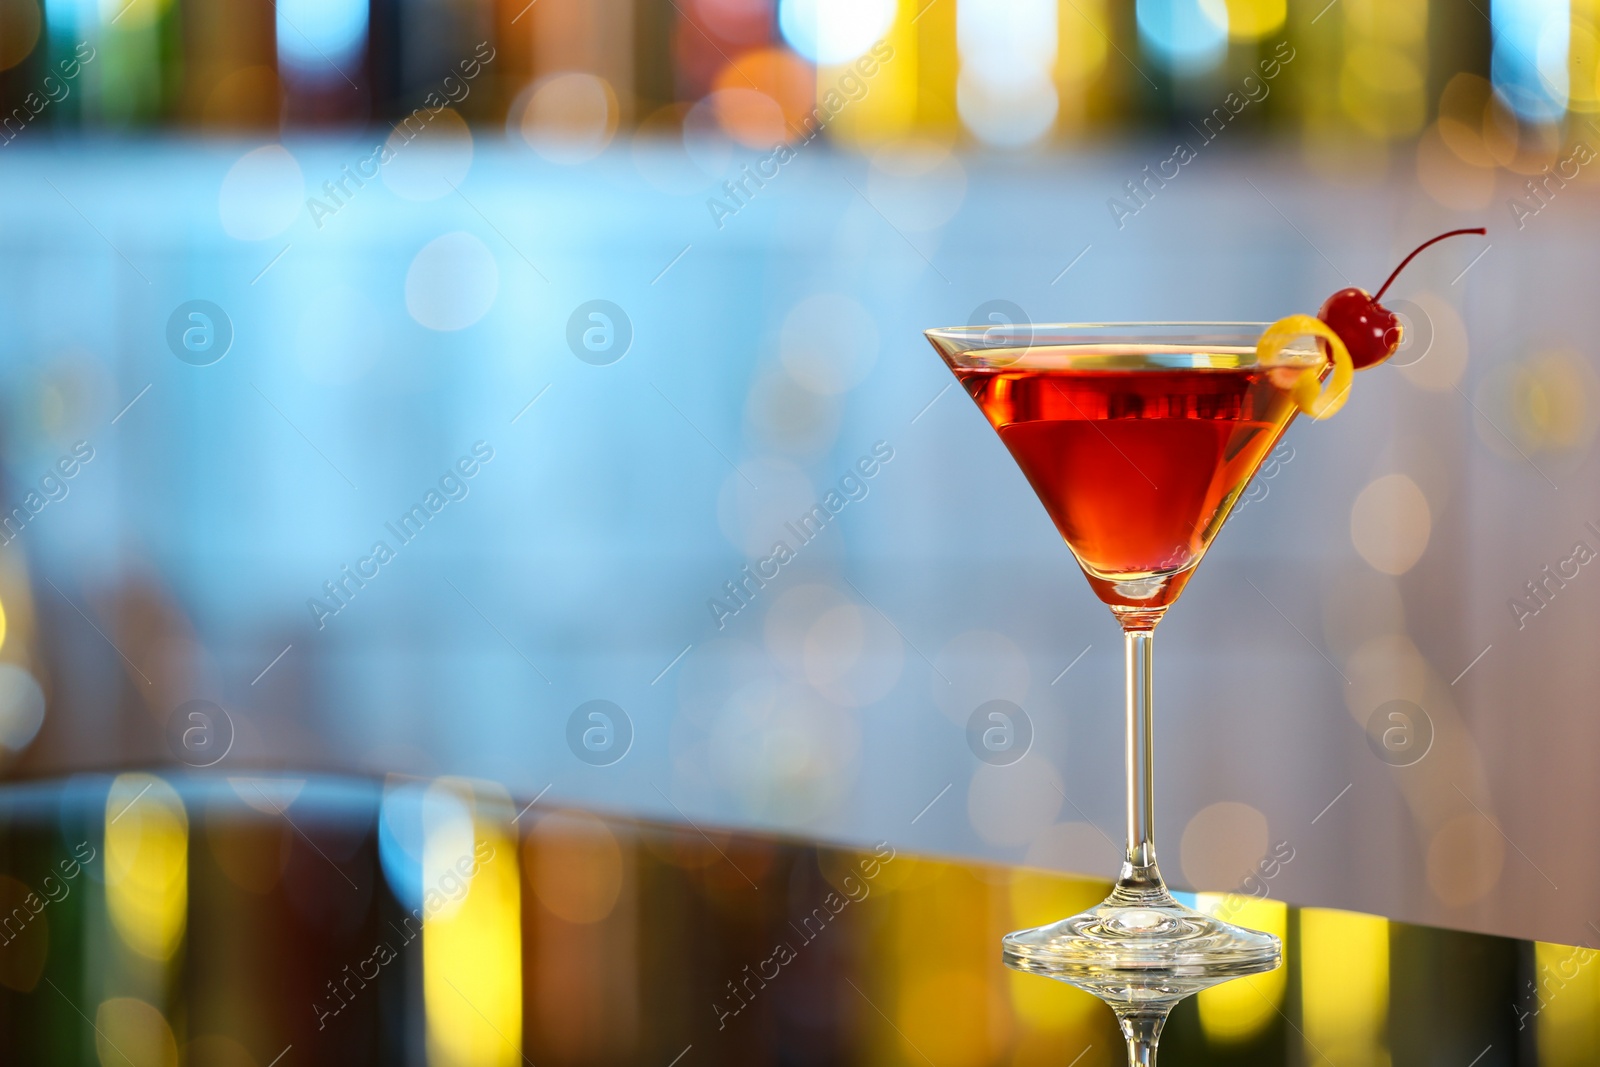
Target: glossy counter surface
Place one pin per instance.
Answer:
(278, 921)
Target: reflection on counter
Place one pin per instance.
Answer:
(258, 921)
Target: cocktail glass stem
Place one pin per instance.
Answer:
(1140, 878)
(1142, 1029)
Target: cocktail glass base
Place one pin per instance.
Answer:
(1141, 948)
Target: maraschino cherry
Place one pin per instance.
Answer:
(1369, 330)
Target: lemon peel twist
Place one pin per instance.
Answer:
(1319, 403)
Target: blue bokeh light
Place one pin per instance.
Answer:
(1529, 66)
(1190, 35)
(319, 39)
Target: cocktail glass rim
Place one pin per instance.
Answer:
(966, 345)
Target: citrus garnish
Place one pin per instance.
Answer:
(1317, 402)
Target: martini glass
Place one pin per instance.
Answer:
(1138, 439)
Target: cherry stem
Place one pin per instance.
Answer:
(1453, 233)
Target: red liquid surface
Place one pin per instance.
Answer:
(1138, 468)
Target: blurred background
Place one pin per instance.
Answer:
(404, 388)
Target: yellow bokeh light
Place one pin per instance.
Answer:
(1554, 401)
(1544, 403)
(885, 107)
(472, 950)
(1390, 523)
(125, 16)
(1583, 60)
(1344, 986)
(1084, 41)
(129, 1031)
(1399, 22)
(19, 31)
(1251, 20)
(1036, 899)
(147, 864)
(964, 1038)
(1565, 1002)
(1380, 88)
(1237, 1011)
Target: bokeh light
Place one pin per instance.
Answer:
(1251, 20)
(1567, 1025)
(471, 943)
(1235, 1012)
(1010, 806)
(853, 656)
(22, 707)
(146, 864)
(19, 31)
(1344, 980)
(1466, 856)
(130, 1030)
(829, 343)
(1222, 844)
(764, 98)
(574, 866)
(917, 183)
(262, 194)
(834, 31)
(427, 157)
(1189, 35)
(320, 41)
(452, 282)
(1006, 93)
(1547, 402)
(568, 117)
(1530, 56)
(410, 812)
(783, 753)
(1390, 523)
